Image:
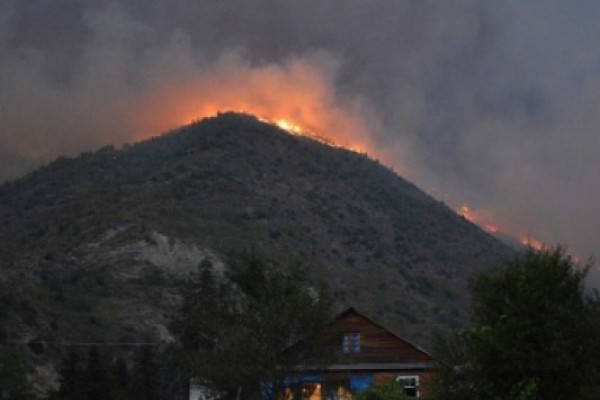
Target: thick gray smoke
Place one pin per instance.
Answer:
(487, 103)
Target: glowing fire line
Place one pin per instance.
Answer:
(295, 129)
(289, 127)
(484, 222)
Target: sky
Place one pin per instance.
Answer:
(494, 105)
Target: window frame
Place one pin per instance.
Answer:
(351, 342)
(416, 386)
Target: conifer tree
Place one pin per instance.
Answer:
(13, 384)
(242, 331)
(146, 376)
(96, 379)
(121, 380)
(71, 386)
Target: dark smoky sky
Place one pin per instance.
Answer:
(494, 104)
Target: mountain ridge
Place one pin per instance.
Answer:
(83, 237)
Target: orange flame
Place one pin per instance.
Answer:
(298, 96)
(486, 221)
(531, 242)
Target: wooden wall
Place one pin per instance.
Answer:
(377, 345)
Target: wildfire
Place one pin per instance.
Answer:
(486, 221)
(479, 218)
(295, 129)
(288, 126)
(530, 242)
(298, 96)
(467, 214)
(292, 129)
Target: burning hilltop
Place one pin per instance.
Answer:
(298, 96)
(130, 219)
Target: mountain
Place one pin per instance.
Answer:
(94, 248)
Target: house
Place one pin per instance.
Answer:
(369, 354)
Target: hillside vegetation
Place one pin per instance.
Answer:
(94, 248)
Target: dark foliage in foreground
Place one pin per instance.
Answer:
(101, 376)
(535, 334)
(246, 332)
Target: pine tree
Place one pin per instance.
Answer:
(146, 377)
(71, 386)
(96, 380)
(13, 384)
(121, 380)
(242, 332)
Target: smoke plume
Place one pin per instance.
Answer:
(491, 104)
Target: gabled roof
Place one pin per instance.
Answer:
(352, 310)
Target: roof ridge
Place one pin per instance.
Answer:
(352, 309)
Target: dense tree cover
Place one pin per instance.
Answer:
(224, 183)
(121, 379)
(96, 377)
(146, 378)
(535, 334)
(100, 376)
(13, 368)
(71, 372)
(245, 332)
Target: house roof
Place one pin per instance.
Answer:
(352, 310)
(378, 366)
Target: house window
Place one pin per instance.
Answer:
(351, 342)
(410, 385)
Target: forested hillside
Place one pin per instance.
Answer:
(94, 248)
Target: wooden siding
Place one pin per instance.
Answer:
(382, 358)
(377, 345)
